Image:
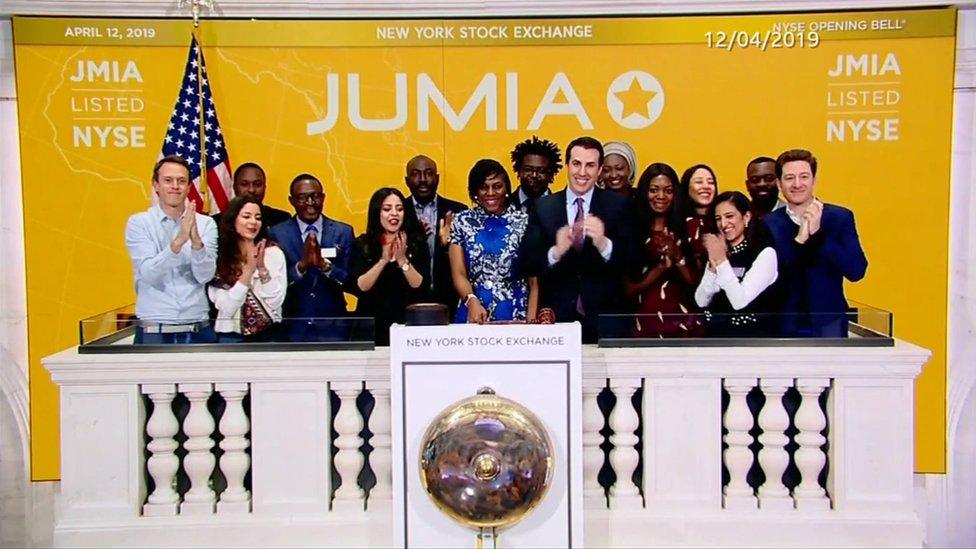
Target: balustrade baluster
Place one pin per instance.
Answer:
(381, 459)
(738, 457)
(349, 459)
(163, 463)
(773, 456)
(235, 461)
(810, 458)
(624, 420)
(593, 494)
(199, 461)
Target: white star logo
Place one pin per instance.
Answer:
(625, 83)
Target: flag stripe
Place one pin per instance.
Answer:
(185, 136)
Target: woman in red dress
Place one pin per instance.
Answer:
(663, 282)
(698, 189)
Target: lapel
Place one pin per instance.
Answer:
(562, 218)
(596, 203)
(441, 208)
(294, 237)
(327, 236)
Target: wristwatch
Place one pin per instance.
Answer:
(467, 298)
(405, 267)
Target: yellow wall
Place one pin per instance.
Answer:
(720, 106)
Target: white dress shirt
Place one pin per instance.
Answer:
(760, 276)
(571, 216)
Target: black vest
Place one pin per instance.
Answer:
(724, 321)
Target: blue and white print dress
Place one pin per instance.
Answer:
(491, 243)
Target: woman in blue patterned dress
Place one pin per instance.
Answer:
(484, 251)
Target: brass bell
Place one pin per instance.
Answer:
(486, 461)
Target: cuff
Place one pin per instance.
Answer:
(608, 251)
(724, 274)
(552, 256)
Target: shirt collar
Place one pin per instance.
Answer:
(587, 198)
(419, 207)
(302, 226)
(523, 197)
(158, 214)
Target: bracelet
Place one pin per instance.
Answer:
(467, 298)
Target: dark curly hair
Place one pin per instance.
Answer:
(541, 147)
(229, 258)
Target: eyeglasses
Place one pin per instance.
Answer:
(308, 197)
(535, 170)
(768, 178)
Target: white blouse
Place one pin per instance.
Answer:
(760, 276)
(271, 293)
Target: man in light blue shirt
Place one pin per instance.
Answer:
(174, 255)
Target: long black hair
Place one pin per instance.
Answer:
(374, 229)
(689, 204)
(755, 232)
(674, 218)
(229, 258)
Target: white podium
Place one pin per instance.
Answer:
(538, 366)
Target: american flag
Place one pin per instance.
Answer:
(183, 135)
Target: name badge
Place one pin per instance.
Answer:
(328, 253)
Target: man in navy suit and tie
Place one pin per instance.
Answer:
(317, 253)
(817, 248)
(578, 243)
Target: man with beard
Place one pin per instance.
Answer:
(435, 214)
(763, 185)
(536, 163)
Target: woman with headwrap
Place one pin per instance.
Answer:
(619, 168)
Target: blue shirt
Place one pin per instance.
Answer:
(303, 228)
(170, 288)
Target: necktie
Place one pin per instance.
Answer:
(578, 225)
(310, 230)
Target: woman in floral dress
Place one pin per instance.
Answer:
(484, 251)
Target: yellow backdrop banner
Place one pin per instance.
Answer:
(869, 93)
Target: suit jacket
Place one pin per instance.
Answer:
(442, 290)
(313, 293)
(516, 198)
(269, 216)
(811, 275)
(580, 274)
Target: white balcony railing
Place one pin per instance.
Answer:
(265, 448)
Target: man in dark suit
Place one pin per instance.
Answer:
(536, 163)
(579, 241)
(435, 213)
(317, 253)
(249, 180)
(817, 247)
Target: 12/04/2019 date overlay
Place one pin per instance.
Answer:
(729, 40)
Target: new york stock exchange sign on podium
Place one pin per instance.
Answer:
(487, 435)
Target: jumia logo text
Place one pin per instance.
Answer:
(642, 93)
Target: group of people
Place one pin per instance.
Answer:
(666, 256)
